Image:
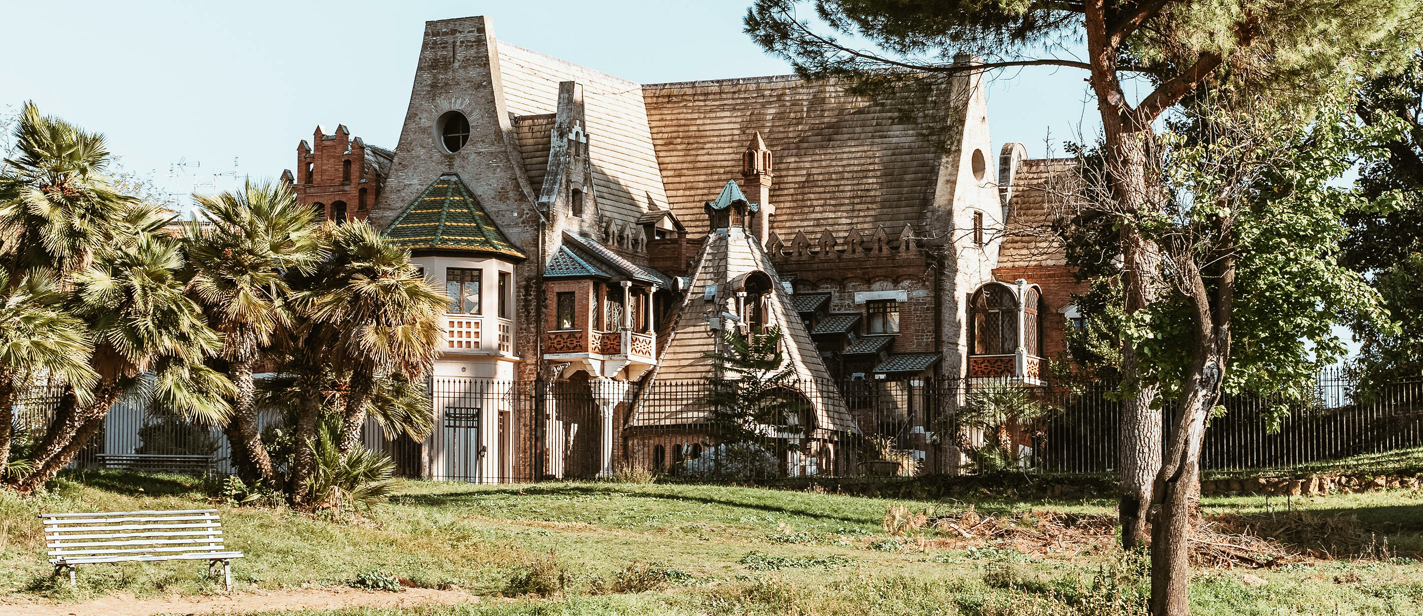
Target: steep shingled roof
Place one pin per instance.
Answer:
(1028, 240)
(623, 266)
(626, 174)
(726, 256)
(839, 161)
(447, 216)
(567, 264)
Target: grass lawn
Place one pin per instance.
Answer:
(702, 550)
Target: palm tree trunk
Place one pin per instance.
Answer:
(302, 467)
(354, 416)
(7, 421)
(71, 436)
(249, 447)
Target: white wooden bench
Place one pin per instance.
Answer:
(123, 536)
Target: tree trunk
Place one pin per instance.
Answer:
(245, 427)
(305, 461)
(354, 416)
(1176, 491)
(7, 421)
(76, 432)
(1140, 432)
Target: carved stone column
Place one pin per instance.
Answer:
(608, 393)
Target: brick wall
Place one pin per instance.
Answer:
(329, 182)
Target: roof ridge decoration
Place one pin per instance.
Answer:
(731, 194)
(447, 216)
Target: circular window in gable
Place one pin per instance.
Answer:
(452, 130)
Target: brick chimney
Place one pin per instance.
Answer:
(757, 172)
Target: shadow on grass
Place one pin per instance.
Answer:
(130, 483)
(440, 500)
(1343, 533)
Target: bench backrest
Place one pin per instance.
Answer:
(128, 533)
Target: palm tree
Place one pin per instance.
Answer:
(57, 206)
(132, 299)
(238, 254)
(371, 315)
(37, 338)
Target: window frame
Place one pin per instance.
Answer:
(883, 314)
(462, 276)
(559, 311)
(502, 286)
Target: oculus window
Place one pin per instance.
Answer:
(452, 130)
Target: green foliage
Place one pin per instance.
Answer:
(1391, 354)
(639, 577)
(347, 481)
(758, 561)
(752, 394)
(38, 336)
(996, 411)
(376, 579)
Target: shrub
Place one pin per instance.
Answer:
(635, 474)
(377, 579)
(644, 577)
(347, 481)
(543, 576)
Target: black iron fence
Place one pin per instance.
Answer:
(501, 431)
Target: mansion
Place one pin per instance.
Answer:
(603, 234)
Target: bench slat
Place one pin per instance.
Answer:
(64, 532)
(176, 518)
(82, 560)
(186, 548)
(59, 545)
(128, 513)
(177, 533)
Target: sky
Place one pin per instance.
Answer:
(196, 96)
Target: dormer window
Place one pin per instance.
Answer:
(754, 295)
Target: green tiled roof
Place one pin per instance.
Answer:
(566, 264)
(447, 216)
(908, 362)
(869, 345)
(612, 259)
(837, 323)
(731, 194)
(809, 302)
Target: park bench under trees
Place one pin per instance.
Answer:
(145, 536)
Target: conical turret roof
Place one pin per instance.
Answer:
(447, 216)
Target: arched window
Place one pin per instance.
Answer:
(361, 200)
(994, 321)
(660, 457)
(1031, 322)
(346, 171)
(339, 211)
(755, 289)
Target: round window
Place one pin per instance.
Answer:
(452, 131)
(977, 164)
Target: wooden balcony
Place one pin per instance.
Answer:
(1028, 369)
(601, 353)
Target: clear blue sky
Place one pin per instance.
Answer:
(214, 83)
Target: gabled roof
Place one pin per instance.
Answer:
(869, 345)
(907, 363)
(837, 323)
(841, 162)
(567, 264)
(810, 302)
(626, 175)
(653, 217)
(447, 216)
(617, 263)
(726, 256)
(1029, 240)
(730, 195)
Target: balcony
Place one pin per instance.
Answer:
(474, 334)
(1014, 368)
(625, 355)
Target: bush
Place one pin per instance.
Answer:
(635, 475)
(732, 461)
(543, 576)
(377, 579)
(644, 577)
(347, 481)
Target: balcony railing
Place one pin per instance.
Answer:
(473, 333)
(621, 343)
(1003, 366)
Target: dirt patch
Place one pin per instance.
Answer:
(1221, 541)
(295, 599)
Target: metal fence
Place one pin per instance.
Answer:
(499, 431)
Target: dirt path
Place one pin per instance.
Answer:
(294, 599)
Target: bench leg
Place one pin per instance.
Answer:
(66, 568)
(227, 576)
